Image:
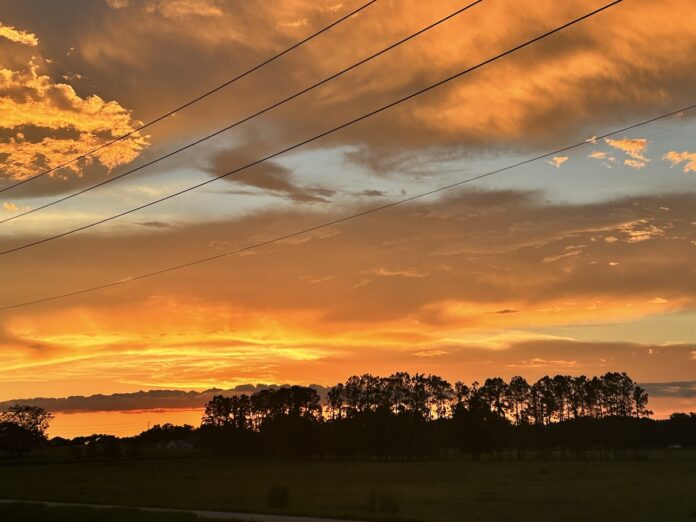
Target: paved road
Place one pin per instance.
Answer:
(216, 515)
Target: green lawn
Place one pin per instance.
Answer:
(658, 487)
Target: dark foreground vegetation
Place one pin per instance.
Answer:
(416, 416)
(396, 417)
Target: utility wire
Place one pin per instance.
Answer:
(247, 118)
(318, 136)
(350, 217)
(193, 100)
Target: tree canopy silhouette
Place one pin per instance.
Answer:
(23, 428)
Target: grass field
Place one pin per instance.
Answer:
(34, 513)
(657, 487)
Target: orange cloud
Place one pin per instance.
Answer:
(425, 279)
(635, 148)
(636, 164)
(13, 208)
(196, 345)
(18, 36)
(688, 158)
(32, 105)
(522, 100)
(632, 147)
(175, 9)
(557, 161)
(640, 230)
(385, 272)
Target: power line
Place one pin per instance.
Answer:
(345, 218)
(193, 100)
(247, 118)
(349, 217)
(318, 136)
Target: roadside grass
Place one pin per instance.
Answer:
(657, 486)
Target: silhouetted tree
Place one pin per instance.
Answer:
(462, 393)
(217, 411)
(336, 401)
(399, 389)
(165, 434)
(23, 428)
(640, 402)
(440, 394)
(32, 418)
(518, 396)
(494, 394)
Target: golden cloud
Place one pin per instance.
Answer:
(175, 9)
(18, 36)
(521, 100)
(640, 230)
(633, 147)
(197, 345)
(13, 208)
(688, 158)
(428, 278)
(635, 164)
(557, 161)
(49, 124)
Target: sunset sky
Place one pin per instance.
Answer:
(580, 264)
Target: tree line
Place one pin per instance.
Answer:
(408, 415)
(550, 399)
(401, 415)
(430, 397)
